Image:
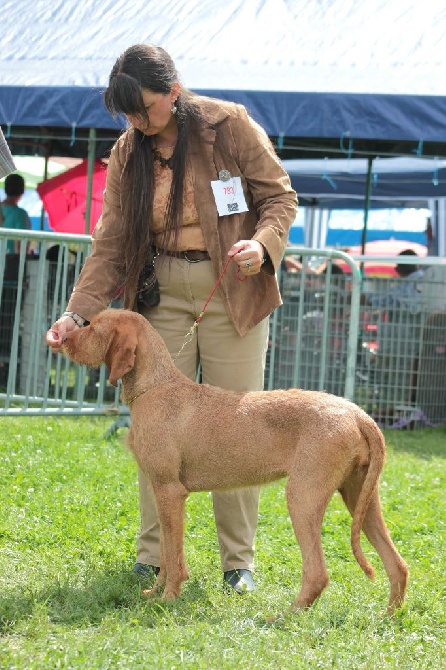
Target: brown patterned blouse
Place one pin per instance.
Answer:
(191, 236)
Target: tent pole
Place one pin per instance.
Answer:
(310, 214)
(368, 191)
(45, 177)
(91, 159)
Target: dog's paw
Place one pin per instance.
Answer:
(149, 593)
(170, 594)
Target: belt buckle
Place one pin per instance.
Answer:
(198, 260)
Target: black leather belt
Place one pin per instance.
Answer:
(191, 255)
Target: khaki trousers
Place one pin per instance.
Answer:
(224, 359)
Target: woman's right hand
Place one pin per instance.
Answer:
(56, 335)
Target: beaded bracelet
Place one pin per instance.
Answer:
(78, 320)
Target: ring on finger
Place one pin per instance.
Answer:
(248, 263)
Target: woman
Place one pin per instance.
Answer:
(192, 182)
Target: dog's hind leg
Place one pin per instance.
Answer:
(378, 535)
(306, 506)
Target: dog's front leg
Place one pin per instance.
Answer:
(161, 576)
(170, 500)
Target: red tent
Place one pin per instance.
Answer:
(64, 198)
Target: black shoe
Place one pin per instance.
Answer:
(240, 580)
(145, 571)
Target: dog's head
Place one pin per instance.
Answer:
(111, 338)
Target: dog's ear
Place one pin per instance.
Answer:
(121, 352)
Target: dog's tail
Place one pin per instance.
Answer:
(377, 451)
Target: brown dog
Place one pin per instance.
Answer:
(194, 437)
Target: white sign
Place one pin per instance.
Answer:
(229, 196)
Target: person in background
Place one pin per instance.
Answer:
(291, 263)
(193, 185)
(403, 294)
(399, 332)
(6, 163)
(430, 239)
(14, 217)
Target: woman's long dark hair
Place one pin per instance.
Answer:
(144, 66)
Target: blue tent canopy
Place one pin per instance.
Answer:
(341, 184)
(334, 186)
(336, 78)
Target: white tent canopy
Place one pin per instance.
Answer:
(353, 46)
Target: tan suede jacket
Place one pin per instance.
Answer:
(272, 209)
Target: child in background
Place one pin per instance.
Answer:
(14, 216)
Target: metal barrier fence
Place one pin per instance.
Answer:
(334, 332)
(400, 371)
(314, 335)
(35, 284)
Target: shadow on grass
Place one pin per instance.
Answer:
(425, 443)
(88, 604)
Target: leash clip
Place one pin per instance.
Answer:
(188, 338)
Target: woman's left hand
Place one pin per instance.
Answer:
(249, 255)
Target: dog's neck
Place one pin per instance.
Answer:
(153, 366)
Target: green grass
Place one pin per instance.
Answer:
(67, 539)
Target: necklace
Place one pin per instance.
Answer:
(164, 162)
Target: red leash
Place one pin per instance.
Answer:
(199, 318)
